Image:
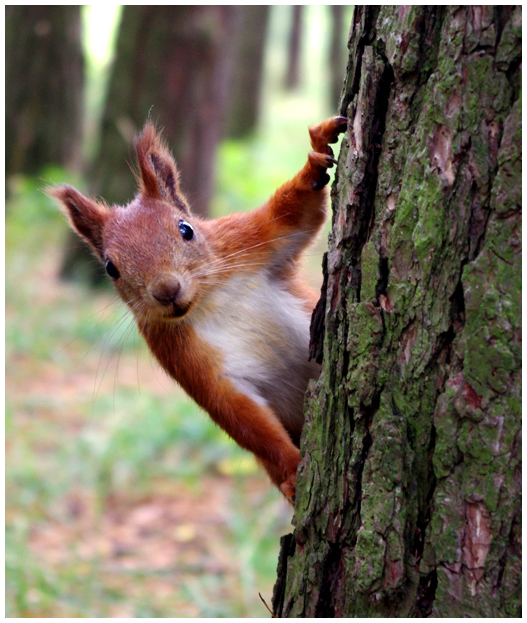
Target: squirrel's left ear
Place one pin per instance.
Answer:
(159, 175)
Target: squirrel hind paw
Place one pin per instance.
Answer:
(288, 489)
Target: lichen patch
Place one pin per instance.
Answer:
(441, 153)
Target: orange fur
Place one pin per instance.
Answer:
(220, 303)
(197, 369)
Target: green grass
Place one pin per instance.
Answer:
(97, 437)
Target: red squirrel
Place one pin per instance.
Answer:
(220, 303)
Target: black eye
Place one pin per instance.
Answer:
(186, 230)
(111, 269)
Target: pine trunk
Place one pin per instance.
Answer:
(244, 106)
(408, 496)
(44, 87)
(292, 77)
(337, 58)
(173, 64)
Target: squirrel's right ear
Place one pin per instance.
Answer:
(159, 176)
(86, 216)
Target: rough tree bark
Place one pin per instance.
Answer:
(408, 496)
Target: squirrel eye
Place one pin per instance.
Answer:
(111, 269)
(186, 230)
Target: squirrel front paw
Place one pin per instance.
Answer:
(322, 158)
(319, 163)
(327, 132)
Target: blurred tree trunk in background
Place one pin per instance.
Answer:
(336, 55)
(173, 64)
(292, 77)
(409, 493)
(44, 87)
(244, 106)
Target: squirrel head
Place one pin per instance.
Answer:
(153, 249)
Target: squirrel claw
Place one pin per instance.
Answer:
(341, 125)
(341, 122)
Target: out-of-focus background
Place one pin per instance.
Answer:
(122, 498)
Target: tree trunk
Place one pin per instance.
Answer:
(336, 55)
(408, 496)
(44, 92)
(292, 77)
(173, 64)
(244, 106)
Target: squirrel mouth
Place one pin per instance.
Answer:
(178, 311)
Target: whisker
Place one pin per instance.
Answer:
(98, 312)
(259, 244)
(122, 340)
(295, 387)
(106, 344)
(228, 267)
(107, 341)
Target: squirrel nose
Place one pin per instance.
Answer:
(166, 291)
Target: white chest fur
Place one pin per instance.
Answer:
(262, 332)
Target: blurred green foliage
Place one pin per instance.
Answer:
(82, 423)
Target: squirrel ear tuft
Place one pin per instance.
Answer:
(159, 175)
(86, 216)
